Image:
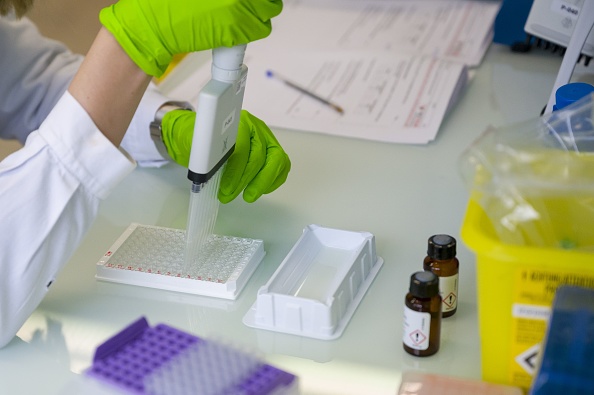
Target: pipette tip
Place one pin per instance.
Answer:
(197, 187)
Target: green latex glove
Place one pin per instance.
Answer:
(257, 166)
(152, 31)
(177, 129)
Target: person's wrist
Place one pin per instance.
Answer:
(145, 50)
(155, 127)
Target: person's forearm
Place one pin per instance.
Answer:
(109, 86)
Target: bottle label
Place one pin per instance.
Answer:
(448, 290)
(416, 329)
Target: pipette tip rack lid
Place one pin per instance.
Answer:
(153, 256)
(163, 360)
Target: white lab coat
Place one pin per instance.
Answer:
(51, 188)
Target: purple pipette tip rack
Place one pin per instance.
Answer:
(164, 360)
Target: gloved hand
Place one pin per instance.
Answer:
(152, 31)
(257, 166)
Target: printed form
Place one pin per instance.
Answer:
(458, 30)
(395, 67)
(385, 98)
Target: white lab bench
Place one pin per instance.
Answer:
(402, 194)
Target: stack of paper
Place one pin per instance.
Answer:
(394, 67)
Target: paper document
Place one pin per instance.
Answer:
(394, 66)
(385, 98)
(459, 30)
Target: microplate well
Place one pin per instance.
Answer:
(153, 256)
(318, 286)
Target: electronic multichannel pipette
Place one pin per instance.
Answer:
(196, 261)
(215, 132)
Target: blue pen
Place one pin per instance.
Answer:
(306, 92)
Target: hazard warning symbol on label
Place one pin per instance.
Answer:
(528, 359)
(417, 337)
(450, 300)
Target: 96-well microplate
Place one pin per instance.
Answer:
(153, 256)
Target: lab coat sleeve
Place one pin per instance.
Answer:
(36, 71)
(49, 193)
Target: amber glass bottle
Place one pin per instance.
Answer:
(441, 260)
(422, 315)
